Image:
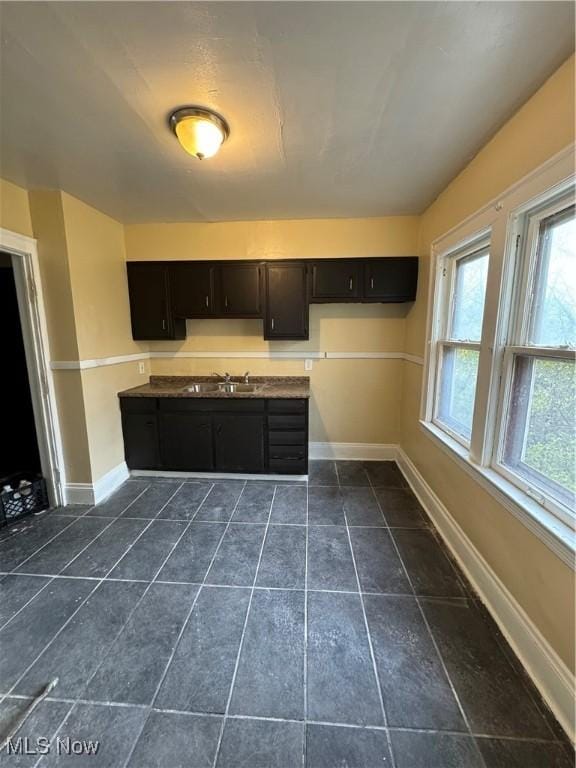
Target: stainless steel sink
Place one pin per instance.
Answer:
(233, 386)
(228, 386)
(202, 387)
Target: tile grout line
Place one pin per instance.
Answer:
(369, 637)
(353, 726)
(130, 614)
(435, 644)
(151, 707)
(106, 527)
(68, 620)
(137, 603)
(237, 663)
(36, 551)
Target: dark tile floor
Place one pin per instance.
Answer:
(257, 624)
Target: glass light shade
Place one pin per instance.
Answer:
(199, 136)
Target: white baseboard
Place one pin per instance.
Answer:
(94, 493)
(354, 451)
(78, 493)
(215, 475)
(547, 670)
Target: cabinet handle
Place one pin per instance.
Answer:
(350, 283)
(372, 283)
(226, 301)
(163, 325)
(207, 301)
(272, 323)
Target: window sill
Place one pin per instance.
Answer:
(558, 536)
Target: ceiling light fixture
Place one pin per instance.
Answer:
(200, 131)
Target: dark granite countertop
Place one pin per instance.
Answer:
(267, 387)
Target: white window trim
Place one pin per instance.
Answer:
(446, 277)
(501, 219)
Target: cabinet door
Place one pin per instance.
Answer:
(286, 288)
(186, 440)
(150, 308)
(239, 442)
(391, 279)
(140, 440)
(336, 279)
(192, 289)
(240, 290)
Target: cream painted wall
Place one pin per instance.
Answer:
(14, 209)
(540, 582)
(83, 273)
(311, 238)
(97, 256)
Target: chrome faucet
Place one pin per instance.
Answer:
(246, 377)
(226, 378)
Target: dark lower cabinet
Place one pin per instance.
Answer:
(239, 442)
(202, 435)
(186, 440)
(140, 428)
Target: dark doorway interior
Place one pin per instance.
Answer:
(19, 443)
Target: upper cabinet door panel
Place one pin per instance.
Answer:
(192, 289)
(240, 290)
(391, 279)
(336, 279)
(150, 302)
(286, 301)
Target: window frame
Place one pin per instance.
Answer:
(504, 221)
(447, 269)
(525, 269)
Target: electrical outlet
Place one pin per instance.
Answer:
(308, 363)
(141, 368)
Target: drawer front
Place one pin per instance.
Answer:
(138, 404)
(214, 405)
(286, 421)
(287, 452)
(287, 406)
(287, 438)
(288, 466)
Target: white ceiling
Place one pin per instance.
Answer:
(336, 109)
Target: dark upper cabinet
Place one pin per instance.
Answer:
(391, 279)
(239, 290)
(239, 442)
(150, 302)
(164, 294)
(336, 280)
(286, 299)
(192, 287)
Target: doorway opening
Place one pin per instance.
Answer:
(31, 442)
(19, 450)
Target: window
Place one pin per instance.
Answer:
(537, 448)
(501, 363)
(464, 274)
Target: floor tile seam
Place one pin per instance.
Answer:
(46, 543)
(370, 643)
(304, 721)
(432, 638)
(242, 636)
